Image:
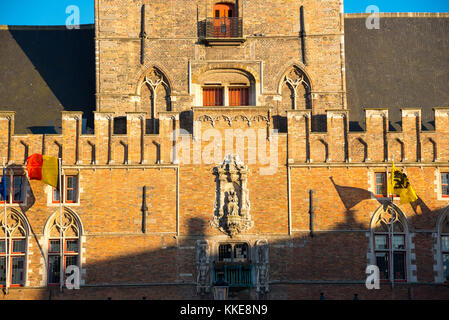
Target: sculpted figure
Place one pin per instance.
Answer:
(233, 204)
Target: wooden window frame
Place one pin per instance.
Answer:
(215, 88)
(64, 188)
(11, 189)
(241, 88)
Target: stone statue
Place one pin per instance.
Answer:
(233, 204)
(202, 267)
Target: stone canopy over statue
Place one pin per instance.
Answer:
(232, 204)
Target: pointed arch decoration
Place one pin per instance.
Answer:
(390, 242)
(296, 80)
(155, 96)
(63, 234)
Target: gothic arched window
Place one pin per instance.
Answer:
(13, 249)
(296, 90)
(389, 235)
(63, 232)
(155, 97)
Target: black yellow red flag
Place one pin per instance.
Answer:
(400, 185)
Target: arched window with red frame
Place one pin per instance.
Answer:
(14, 233)
(63, 232)
(389, 236)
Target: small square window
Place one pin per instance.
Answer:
(445, 243)
(398, 242)
(71, 246)
(445, 184)
(69, 190)
(381, 242)
(381, 184)
(18, 246)
(54, 246)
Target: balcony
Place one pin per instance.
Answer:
(237, 275)
(221, 31)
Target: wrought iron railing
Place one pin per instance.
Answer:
(221, 28)
(236, 275)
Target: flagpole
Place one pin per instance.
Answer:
(61, 240)
(392, 227)
(5, 223)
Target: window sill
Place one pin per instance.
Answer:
(223, 42)
(69, 204)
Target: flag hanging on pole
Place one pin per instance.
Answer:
(400, 185)
(43, 168)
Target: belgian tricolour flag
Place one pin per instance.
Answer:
(399, 184)
(43, 168)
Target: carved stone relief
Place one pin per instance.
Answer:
(232, 204)
(262, 266)
(202, 267)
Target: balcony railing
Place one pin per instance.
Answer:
(224, 29)
(236, 275)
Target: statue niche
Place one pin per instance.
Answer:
(232, 197)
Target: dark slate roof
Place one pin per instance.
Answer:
(404, 64)
(45, 70)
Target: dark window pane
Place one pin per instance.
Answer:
(53, 269)
(381, 242)
(71, 261)
(56, 194)
(398, 243)
(225, 252)
(2, 192)
(71, 182)
(382, 264)
(446, 267)
(445, 243)
(444, 178)
(399, 266)
(2, 270)
(18, 188)
(72, 246)
(217, 13)
(380, 178)
(2, 246)
(18, 246)
(70, 196)
(17, 270)
(54, 246)
(241, 251)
